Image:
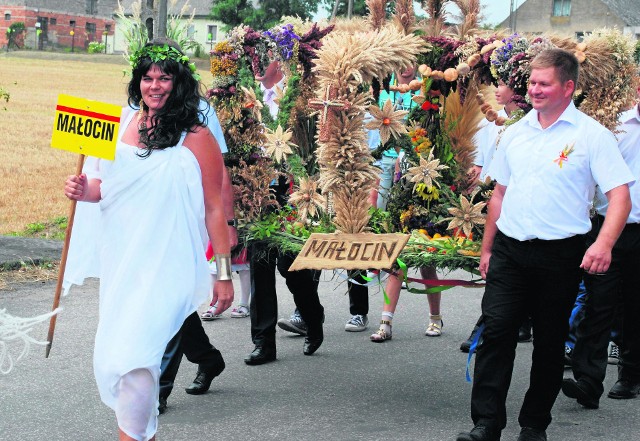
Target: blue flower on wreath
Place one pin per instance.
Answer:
(285, 39)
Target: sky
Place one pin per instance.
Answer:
(497, 10)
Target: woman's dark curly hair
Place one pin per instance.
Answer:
(182, 109)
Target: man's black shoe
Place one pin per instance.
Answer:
(205, 376)
(162, 405)
(465, 346)
(579, 391)
(531, 434)
(201, 384)
(261, 355)
(624, 390)
(311, 345)
(524, 333)
(479, 433)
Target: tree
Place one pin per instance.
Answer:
(15, 35)
(359, 7)
(235, 12)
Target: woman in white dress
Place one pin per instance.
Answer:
(159, 205)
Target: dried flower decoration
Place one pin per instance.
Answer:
(278, 143)
(252, 103)
(466, 215)
(426, 172)
(285, 42)
(307, 199)
(388, 121)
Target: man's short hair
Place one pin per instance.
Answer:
(565, 63)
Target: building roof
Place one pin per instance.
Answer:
(627, 10)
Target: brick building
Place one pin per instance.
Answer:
(62, 23)
(576, 18)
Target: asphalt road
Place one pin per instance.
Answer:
(410, 388)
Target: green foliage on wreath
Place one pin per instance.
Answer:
(402, 143)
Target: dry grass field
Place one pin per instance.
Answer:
(31, 172)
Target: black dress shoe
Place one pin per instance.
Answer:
(624, 390)
(201, 384)
(261, 355)
(465, 346)
(524, 333)
(580, 391)
(162, 405)
(531, 434)
(311, 345)
(479, 433)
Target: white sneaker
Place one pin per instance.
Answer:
(240, 311)
(613, 356)
(357, 323)
(294, 324)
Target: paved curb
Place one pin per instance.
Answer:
(16, 250)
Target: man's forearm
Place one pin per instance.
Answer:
(617, 215)
(493, 213)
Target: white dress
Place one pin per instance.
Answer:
(153, 271)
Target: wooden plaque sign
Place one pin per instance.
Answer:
(350, 251)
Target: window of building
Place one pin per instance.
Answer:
(212, 33)
(191, 32)
(7, 16)
(561, 8)
(90, 28)
(53, 21)
(91, 7)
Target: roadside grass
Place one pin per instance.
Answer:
(28, 271)
(53, 229)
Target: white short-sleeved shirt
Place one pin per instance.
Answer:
(549, 194)
(629, 144)
(485, 140)
(269, 96)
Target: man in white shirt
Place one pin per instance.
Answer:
(589, 358)
(533, 251)
(302, 284)
(270, 82)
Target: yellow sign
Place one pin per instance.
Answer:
(85, 126)
(350, 251)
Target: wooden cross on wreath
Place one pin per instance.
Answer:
(329, 105)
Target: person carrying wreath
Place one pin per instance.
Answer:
(546, 170)
(159, 204)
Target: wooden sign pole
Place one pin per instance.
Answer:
(63, 263)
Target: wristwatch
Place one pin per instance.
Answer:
(233, 223)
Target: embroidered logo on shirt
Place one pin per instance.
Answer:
(564, 154)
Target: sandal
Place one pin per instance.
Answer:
(435, 326)
(240, 311)
(381, 334)
(210, 314)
